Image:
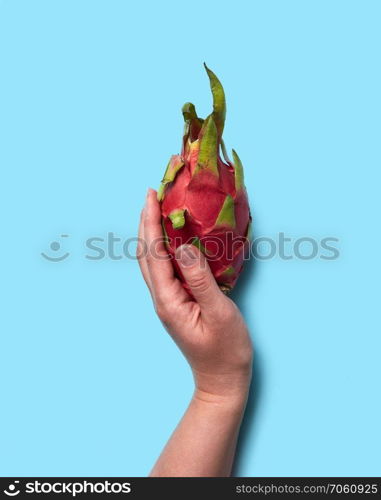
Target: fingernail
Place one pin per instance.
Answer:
(186, 255)
(147, 198)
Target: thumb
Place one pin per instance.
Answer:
(196, 272)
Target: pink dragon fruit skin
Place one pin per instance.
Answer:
(202, 196)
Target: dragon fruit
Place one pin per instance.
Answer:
(202, 196)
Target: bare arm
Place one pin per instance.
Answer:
(212, 335)
(203, 443)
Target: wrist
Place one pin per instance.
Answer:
(220, 405)
(225, 390)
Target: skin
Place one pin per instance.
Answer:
(212, 335)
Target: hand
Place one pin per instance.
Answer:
(208, 328)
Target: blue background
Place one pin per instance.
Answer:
(90, 100)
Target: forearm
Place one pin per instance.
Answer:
(204, 442)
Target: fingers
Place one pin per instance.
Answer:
(141, 252)
(157, 268)
(165, 287)
(197, 274)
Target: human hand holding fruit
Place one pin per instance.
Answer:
(212, 334)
